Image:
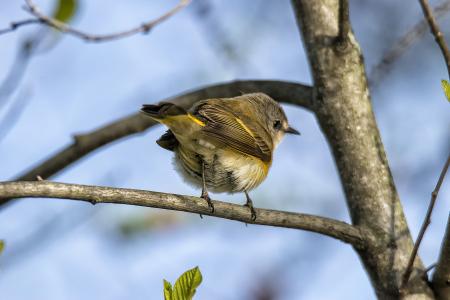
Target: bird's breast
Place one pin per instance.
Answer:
(248, 171)
(226, 170)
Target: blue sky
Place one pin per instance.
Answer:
(67, 250)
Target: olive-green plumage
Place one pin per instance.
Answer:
(226, 143)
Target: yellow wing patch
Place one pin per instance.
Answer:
(245, 127)
(199, 122)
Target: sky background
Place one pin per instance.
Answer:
(60, 249)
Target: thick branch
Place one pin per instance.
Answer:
(441, 277)
(439, 37)
(286, 92)
(63, 27)
(344, 112)
(94, 194)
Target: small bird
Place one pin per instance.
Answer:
(223, 144)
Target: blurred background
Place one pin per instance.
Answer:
(61, 249)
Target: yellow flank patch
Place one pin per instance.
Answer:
(245, 127)
(266, 166)
(199, 122)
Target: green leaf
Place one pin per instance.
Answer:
(185, 286)
(65, 10)
(2, 246)
(446, 88)
(167, 290)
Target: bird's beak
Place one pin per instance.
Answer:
(292, 131)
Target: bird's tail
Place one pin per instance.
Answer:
(161, 111)
(173, 116)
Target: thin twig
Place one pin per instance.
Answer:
(424, 227)
(41, 18)
(446, 53)
(430, 267)
(344, 21)
(33, 9)
(14, 25)
(403, 44)
(438, 36)
(96, 194)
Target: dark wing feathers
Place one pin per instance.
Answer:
(162, 110)
(168, 141)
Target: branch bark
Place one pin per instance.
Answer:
(441, 276)
(343, 109)
(286, 92)
(94, 194)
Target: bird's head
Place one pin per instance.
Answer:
(271, 115)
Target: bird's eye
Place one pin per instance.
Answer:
(277, 125)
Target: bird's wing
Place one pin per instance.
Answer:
(223, 125)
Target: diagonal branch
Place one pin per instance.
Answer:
(425, 224)
(14, 25)
(95, 194)
(439, 37)
(286, 92)
(40, 17)
(403, 44)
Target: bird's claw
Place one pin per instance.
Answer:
(208, 199)
(252, 210)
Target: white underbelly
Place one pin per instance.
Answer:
(225, 170)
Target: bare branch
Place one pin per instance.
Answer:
(287, 92)
(344, 21)
(441, 277)
(425, 224)
(95, 194)
(403, 44)
(14, 25)
(438, 36)
(33, 9)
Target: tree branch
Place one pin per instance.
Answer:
(63, 27)
(425, 224)
(286, 92)
(403, 44)
(343, 109)
(441, 276)
(438, 36)
(94, 194)
(14, 25)
(344, 21)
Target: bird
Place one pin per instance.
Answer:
(223, 144)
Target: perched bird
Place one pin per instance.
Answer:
(223, 145)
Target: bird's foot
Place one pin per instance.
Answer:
(208, 199)
(249, 204)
